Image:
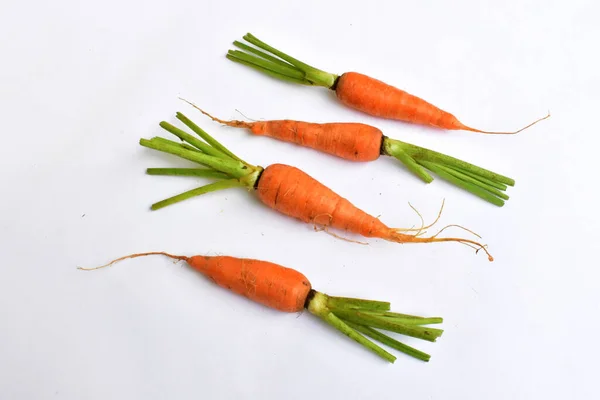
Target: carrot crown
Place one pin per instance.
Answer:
(219, 163)
(279, 65)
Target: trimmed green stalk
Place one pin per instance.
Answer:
(336, 311)
(222, 165)
(459, 175)
(208, 138)
(353, 303)
(389, 341)
(234, 168)
(479, 181)
(276, 63)
(197, 172)
(231, 55)
(212, 187)
(420, 153)
(358, 317)
(197, 143)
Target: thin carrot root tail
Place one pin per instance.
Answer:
(233, 123)
(423, 229)
(467, 128)
(152, 253)
(398, 237)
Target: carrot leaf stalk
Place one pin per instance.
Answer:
(219, 163)
(359, 320)
(279, 65)
(197, 172)
(483, 183)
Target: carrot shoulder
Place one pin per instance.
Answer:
(353, 89)
(288, 290)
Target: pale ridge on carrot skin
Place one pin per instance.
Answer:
(288, 290)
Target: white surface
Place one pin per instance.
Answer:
(82, 82)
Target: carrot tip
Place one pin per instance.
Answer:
(462, 126)
(162, 253)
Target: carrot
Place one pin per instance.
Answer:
(288, 290)
(353, 89)
(360, 142)
(281, 187)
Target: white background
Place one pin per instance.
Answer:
(81, 82)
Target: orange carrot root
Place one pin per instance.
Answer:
(380, 99)
(296, 194)
(466, 128)
(270, 284)
(351, 141)
(152, 253)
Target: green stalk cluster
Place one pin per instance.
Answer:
(363, 319)
(219, 163)
(277, 64)
(483, 183)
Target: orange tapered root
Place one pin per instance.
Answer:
(380, 99)
(136, 255)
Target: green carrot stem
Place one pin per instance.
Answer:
(259, 43)
(429, 334)
(208, 138)
(469, 179)
(173, 143)
(312, 73)
(479, 181)
(197, 172)
(290, 69)
(389, 341)
(406, 316)
(495, 184)
(401, 319)
(212, 187)
(197, 143)
(477, 190)
(421, 153)
(410, 163)
(269, 72)
(232, 168)
(341, 326)
(352, 303)
(260, 53)
(283, 68)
